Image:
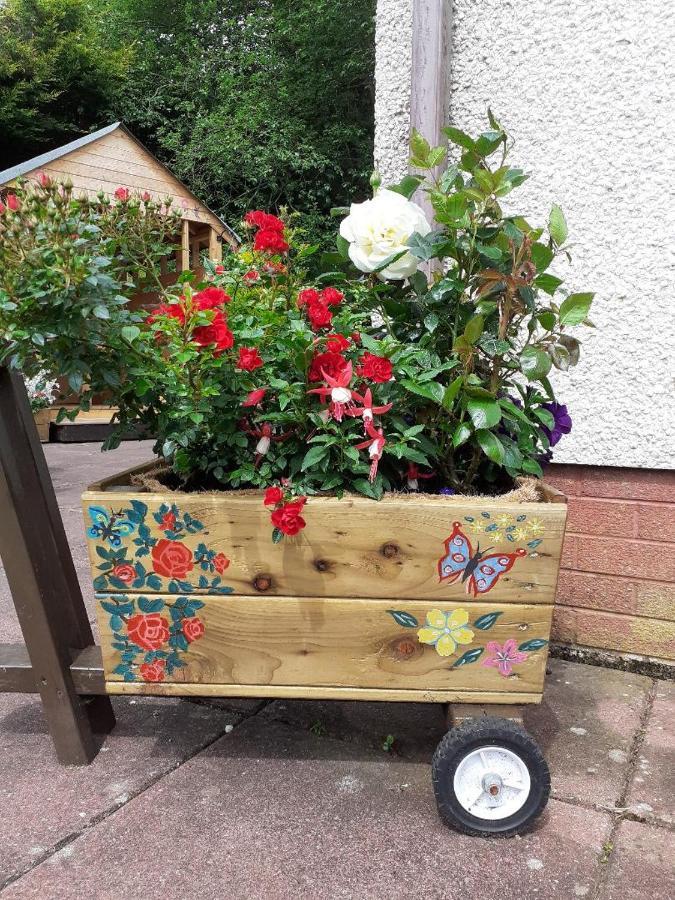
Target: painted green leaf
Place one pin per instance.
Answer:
(486, 621)
(150, 605)
(469, 657)
(403, 618)
(534, 644)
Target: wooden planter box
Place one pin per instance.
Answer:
(43, 418)
(372, 601)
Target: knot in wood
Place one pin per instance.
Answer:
(403, 648)
(389, 551)
(262, 583)
(321, 565)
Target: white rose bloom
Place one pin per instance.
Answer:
(379, 228)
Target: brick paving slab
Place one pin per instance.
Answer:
(416, 727)
(585, 727)
(652, 792)
(43, 803)
(641, 864)
(273, 812)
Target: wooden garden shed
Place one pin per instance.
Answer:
(112, 157)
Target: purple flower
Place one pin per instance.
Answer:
(562, 422)
(446, 490)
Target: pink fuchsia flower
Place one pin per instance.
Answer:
(341, 396)
(503, 657)
(375, 444)
(255, 398)
(122, 194)
(413, 475)
(367, 411)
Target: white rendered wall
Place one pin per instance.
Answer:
(587, 89)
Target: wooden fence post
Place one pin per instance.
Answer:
(43, 581)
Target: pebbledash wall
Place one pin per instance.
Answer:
(587, 90)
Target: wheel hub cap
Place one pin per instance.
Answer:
(492, 783)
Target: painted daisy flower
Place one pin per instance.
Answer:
(504, 520)
(535, 526)
(445, 631)
(520, 534)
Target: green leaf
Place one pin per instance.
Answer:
(313, 456)
(557, 226)
(484, 413)
(419, 145)
(486, 621)
(542, 256)
(469, 657)
(458, 137)
(575, 308)
(546, 319)
(436, 156)
(277, 535)
(461, 434)
(130, 333)
(432, 390)
(532, 467)
(403, 618)
(407, 185)
(419, 283)
(490, 252)
(535, 363)
(473, 329)
(491, 446)
(101, 312)
(571, 344)
(548, 283)
(431, 321)
(451, 393)
(533, 644)
(546, 418)
(342, 246)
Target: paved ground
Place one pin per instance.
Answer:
(299, 799)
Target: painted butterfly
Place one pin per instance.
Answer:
(480, 572)
(109, 526)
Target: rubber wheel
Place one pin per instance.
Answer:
(490, 778)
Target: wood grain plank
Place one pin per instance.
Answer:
(339, 643)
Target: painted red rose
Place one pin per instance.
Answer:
(273, 495)
(309, 295)
(269, 240)
(254, 397)
(153, 671)
(193, 628)
(13, 202)
(125, 572)
(220, 563)
(216, 333)
(375, 368)
(171, 559)
(148, 631)
(336, 343)
(169, 521)
(288, 519)
(211, 298)
(331, 296)
(122, 194)
(333, 364)
(249, 359)
(319, 315)
(251, 276)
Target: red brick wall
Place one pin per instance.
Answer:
(617, 583)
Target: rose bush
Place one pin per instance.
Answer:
(425, 368)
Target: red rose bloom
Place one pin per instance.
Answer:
(273, 495)
(249, 359)
(122, 194)
(210, 298)
(255, 397)
(319, 315)
(169, 521)
(148, 632)
(220, 563)
(331, 297)
(153, 671)
(2, 207)
(13, 202)
(259, 219)
(220, 270)
(252, 275)
(125, 572)
(270, 240)
(308, 296)
(336, 343)
(331, 363)
(216, 333)
(375, 368)
(146, 197)
(43, 179)
(171, 559)
(174, 310)
(288, 519)
(193, 628)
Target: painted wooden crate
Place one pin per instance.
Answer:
(412, 598)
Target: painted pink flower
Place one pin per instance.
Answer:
(503, 657)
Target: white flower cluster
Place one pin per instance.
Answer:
(41, 389)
